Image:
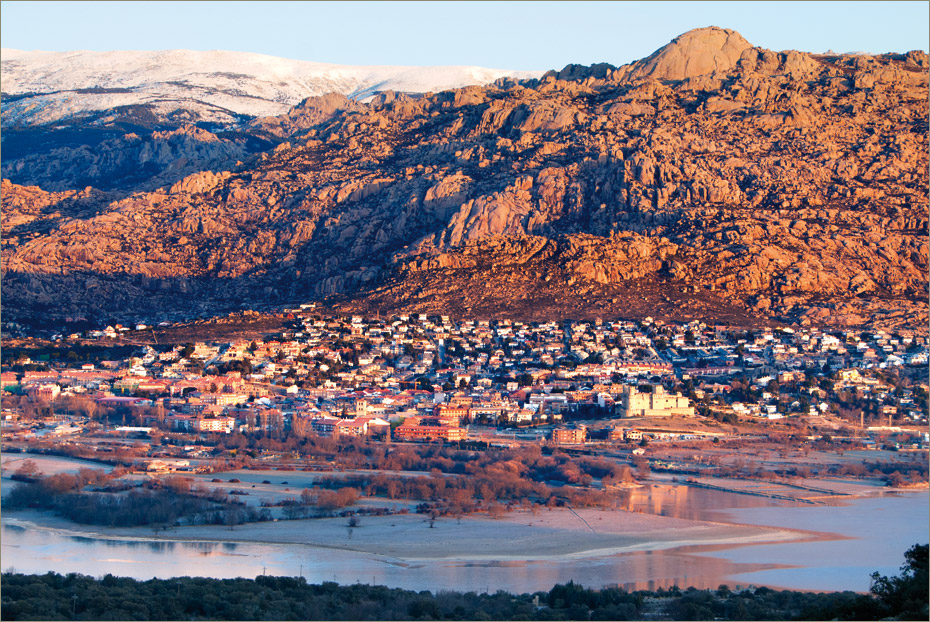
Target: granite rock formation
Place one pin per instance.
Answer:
(711, 179)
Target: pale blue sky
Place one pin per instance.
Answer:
(511, 35)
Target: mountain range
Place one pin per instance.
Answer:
(190, 86)
(713, 179)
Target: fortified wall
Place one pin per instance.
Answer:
(655, 404)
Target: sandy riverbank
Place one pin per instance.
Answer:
(557, 533)
(550, 534)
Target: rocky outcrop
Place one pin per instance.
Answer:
(128, 162)
(695, 53)
(742, 182)
(308, 113)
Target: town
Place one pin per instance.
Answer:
(386, 436)
(425, 378)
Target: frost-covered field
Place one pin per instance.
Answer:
(47, 465)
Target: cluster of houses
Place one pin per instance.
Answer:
(417, 377)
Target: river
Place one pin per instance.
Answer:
(871, 534)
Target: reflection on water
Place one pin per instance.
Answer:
(38, 551)
(689, 503)
(883, 528)
(156, 546)
(878, 530)
(664, 569)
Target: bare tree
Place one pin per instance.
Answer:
(28, 470)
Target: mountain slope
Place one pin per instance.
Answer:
(777, 185)
(189, 86)
(136, 121)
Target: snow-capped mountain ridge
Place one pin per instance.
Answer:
(210, 86)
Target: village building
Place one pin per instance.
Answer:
(428, 429)
(570, 435)
(658, 403)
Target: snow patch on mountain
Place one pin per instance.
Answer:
(211, 86)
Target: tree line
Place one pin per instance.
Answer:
(455, 482)
(159, 503)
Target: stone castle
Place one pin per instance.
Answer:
(655, 404)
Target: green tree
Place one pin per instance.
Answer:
(906, 596)
(525, 380)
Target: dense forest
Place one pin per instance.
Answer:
(78, 597)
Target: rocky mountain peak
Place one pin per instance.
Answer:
(711, 180)
(695, 53)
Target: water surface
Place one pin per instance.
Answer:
(871, 534)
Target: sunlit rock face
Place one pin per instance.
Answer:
(711, 179)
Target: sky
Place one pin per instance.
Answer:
(527, 35)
